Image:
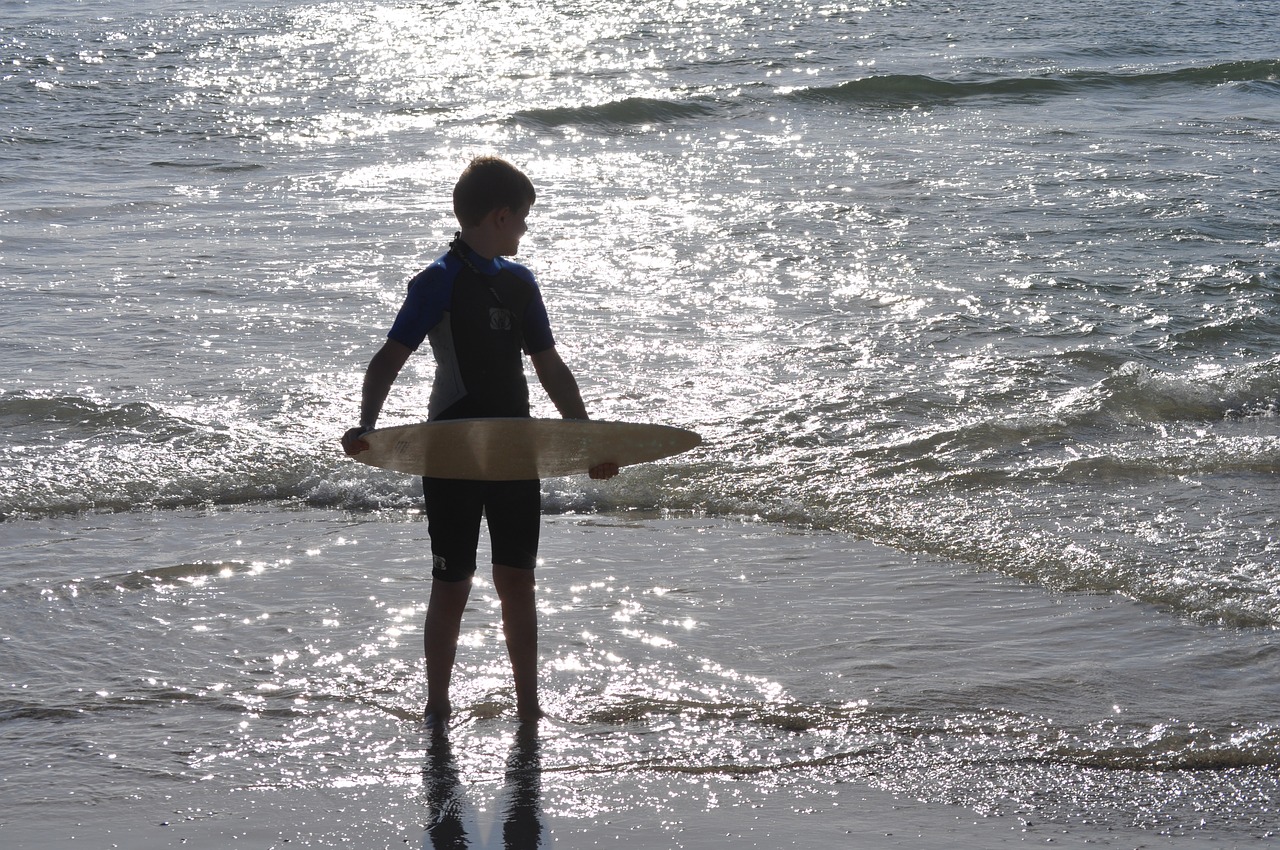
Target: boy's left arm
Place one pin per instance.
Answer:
(557, 379)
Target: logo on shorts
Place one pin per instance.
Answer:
(499, 319)
(437, 563)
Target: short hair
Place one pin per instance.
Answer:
(487, 184)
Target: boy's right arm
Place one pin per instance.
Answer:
(378, 378)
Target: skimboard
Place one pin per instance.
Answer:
(501, 449)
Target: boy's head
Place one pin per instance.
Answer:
(489, 184)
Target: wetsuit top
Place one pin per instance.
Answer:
(479, 315)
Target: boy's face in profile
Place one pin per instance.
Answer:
(511, 225)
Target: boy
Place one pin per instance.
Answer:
(479, 312)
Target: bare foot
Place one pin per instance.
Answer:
(437, 720)
(530, 712)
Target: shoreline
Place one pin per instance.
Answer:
(661, 596)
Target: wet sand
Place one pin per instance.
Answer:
(849, 815)
(712, 682)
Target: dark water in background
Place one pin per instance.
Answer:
(994, 283)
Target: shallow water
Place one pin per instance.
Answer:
(992, 285)
(995, 283)
(678, 655)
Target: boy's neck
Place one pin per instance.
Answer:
(481, 241)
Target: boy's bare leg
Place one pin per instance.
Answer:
(440, 642)
(520, 626)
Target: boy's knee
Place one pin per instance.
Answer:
(513, 581)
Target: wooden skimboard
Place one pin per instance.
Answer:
(515, 449)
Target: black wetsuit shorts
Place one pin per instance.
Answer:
(512, 510)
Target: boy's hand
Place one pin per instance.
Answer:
(351, 442)
(601, 471)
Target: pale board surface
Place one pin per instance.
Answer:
(513, 449)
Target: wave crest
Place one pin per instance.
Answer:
(629, 112)
(907, 90)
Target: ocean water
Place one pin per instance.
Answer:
(991, 285)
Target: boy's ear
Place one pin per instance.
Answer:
(497, 215)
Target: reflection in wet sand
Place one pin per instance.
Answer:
(521, 816)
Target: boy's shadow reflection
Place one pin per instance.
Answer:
(522, 813)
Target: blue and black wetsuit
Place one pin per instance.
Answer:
(481, 316)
